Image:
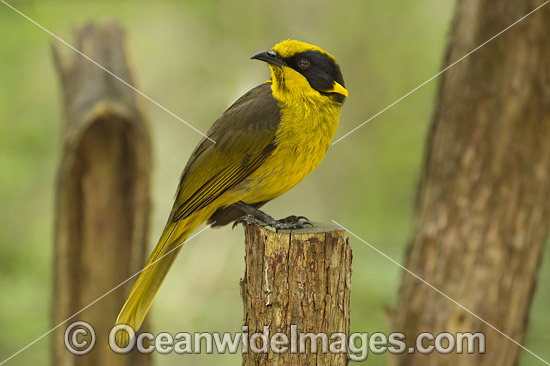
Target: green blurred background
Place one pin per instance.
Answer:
(193, 58)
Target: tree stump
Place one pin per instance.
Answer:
(294, 282)
(102, 203)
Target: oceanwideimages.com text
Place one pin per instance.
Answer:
(80, 339)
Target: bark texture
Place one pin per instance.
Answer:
(102, 211)
(483, 204)
(301, 278)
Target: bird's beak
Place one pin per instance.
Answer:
(271, 57)
(337, 88)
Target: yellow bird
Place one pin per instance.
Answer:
(265, 143)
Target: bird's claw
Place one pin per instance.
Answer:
(248, 219)
(293, 222)
(287, 223)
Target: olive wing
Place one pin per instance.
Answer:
(244, 136)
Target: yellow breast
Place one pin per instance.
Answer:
(304, 135)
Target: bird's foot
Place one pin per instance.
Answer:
(298, 221)
(258, 217)
(247, 219)
(290, 222)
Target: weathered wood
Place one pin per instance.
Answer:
(483, 205)
(102, 203)
(301, 278)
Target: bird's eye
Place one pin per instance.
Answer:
(303, 63)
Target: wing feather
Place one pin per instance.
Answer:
(245, 137)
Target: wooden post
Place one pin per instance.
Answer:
(483, 207)
(300, 278)
(102, 203)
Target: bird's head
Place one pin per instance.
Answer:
(301, 70)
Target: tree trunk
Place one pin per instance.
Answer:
(483, 204)
(102, 208)
(301, 278)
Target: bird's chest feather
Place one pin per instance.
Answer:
(303, 138)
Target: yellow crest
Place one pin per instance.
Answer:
(291, 47)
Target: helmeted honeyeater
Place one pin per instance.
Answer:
(265, 143)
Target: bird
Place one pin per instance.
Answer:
(263, 145)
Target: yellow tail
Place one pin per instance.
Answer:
(149, 281)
